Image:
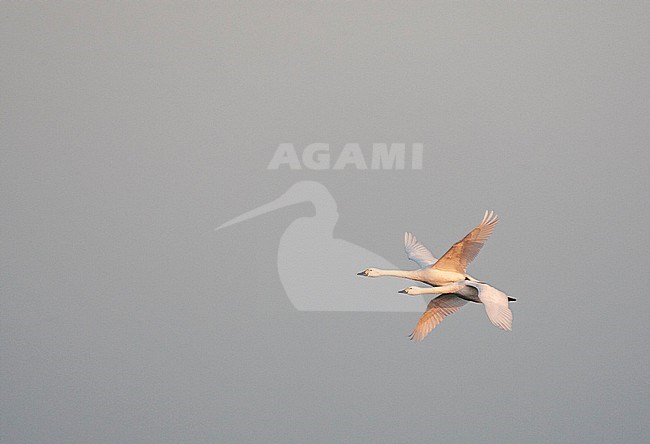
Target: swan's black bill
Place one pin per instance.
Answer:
(361, 273)
(402, 291)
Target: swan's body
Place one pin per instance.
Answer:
(451, 267)
(453, 297)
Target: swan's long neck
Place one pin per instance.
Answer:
(444, 289)
(406, 274)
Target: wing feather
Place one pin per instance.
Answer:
(496, 305)
(417, 252)
(464, 251)
(436, 311)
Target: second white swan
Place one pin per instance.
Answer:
(456, 295)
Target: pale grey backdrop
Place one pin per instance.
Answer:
(130, 131)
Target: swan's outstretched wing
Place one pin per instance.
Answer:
(464, 251)
(496, 305)
(437, 310)
(417, 252)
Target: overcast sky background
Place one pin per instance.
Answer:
(130, 131)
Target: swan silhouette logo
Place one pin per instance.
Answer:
(318, 271)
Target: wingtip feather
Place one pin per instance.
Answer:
(490, 218)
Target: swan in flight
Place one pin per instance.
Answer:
(451, 267)
(453, 297)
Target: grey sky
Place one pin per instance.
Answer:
(129, 132)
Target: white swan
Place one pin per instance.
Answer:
(451, 267)
(453, 297)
